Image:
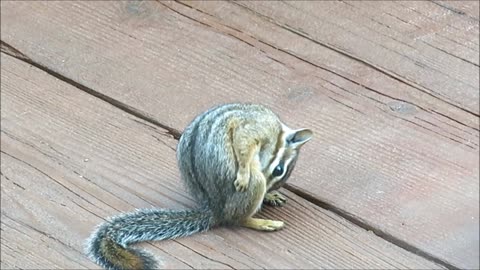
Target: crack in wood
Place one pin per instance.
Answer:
(59, 163)
(100, 217)
(120, 105)
(453, 55)
(365, 225)
(435, 125)
(210, 259)
(400, 19)
(338, 101)
(152, 245)
(456, 121)
(40, 232)
(183, 15)
(475, 48)
(6, 48)
(433, 131)
(345, 227)
(48, 176)
(302, 34)
(390, 74)
(454, 10)
(15, 138)
(230, 257)
(13, 182)
(163, 142)
(107, 191)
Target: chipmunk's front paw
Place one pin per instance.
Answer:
(241, 183)
(274, 198)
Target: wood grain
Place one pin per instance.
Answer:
(69, 160)
(407, 34)
(387, 152)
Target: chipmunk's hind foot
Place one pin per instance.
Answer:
(263, 224)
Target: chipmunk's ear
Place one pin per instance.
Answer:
(299, 137)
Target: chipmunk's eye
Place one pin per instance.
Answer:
(278, 170)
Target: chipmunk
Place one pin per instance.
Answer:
(232, 159)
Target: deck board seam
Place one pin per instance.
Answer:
(390, 74)
(337, 74)
(42, 233)
(201, 255)
(364, 225)
(9, 50)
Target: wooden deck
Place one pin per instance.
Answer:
(94, 96)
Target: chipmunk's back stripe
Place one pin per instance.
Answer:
(193, 143)
(219, 118)
(197, 136)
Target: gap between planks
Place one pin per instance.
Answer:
(10, 50)
(338, 50)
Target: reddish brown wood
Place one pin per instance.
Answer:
(69, 160)
(388, 151)
(400, 39)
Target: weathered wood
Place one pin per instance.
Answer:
(399, 39)
(348, 32)
(385, 152)
(69, 160)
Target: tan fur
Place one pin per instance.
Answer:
(263, 224)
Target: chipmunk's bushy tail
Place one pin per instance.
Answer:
(109, 244)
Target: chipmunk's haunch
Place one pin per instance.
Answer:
(232, 158)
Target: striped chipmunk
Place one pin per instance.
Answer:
(232, 158)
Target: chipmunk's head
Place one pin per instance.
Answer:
(285, 156)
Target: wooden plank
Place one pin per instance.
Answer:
(69, 160)
(398, 38)
(392, 156)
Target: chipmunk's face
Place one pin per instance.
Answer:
(283, 161)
